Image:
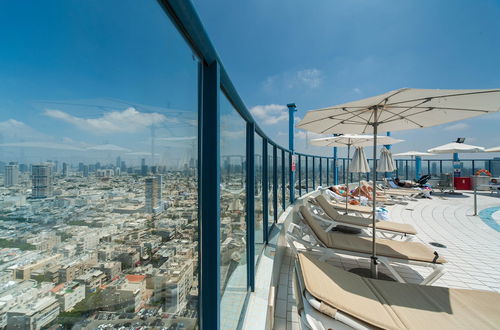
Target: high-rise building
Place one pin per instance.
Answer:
(65, 169)
(118, 161)
(85, 171)
(41, 177)
(11, 177)
(144, 167)
(154, 201)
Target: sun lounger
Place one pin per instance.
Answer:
(361, 209)
(328, 243)
(332, 298)
(388, 229)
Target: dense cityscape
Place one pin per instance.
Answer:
(98, 246)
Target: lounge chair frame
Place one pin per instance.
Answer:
(326, 253)
(332, 223)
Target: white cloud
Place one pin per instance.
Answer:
(128, 120)
(311, 78)
(270, 114)
(14, 129)
(107, 147)
(307, 78)
(456, 127)
(41, 145)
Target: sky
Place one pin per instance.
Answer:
(322, 53)
(93, 80)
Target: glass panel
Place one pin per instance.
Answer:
(466, 168)
(287, 179)
(494, 167)
(233, 231)
(310, 185)
(259, 218)
(435, 172)
(99, 127)
(331, 172)
(303, 183)
(279, 173)
(270, 190)
(324, 173)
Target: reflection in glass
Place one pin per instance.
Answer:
(287, 179)
(279, 173)
(98, 157)
(233, 231)
(259, 217)
(270, 186)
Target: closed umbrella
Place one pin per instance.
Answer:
(386, 163)
(348, 140)
(359, 164)
(397, 110)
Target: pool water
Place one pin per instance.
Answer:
(491, 217)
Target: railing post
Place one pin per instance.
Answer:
(250, 205)
(327, 172)
(275, 183)
(209, 200)
(291, 135)
(283, 179)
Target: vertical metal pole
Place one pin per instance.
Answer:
(374, 263)
(418, 166)
(347, 180)
(283, 179)
(250, 205)
(291, 136)
(209, 214)
(327, 172)
(475, 199)
(335, 166)
(265, 190)
(275, 183)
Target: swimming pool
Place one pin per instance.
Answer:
(491, 217)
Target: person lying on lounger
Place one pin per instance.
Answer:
(403, 184)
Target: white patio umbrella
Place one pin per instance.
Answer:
(386, 163)
(494, 149)
(413, 154)
(399, 110)
(348, 140)
(455, 147)
(359, 164)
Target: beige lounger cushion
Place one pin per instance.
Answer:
(354, 208)
(392, 305)
(366, 222)
(385, 247)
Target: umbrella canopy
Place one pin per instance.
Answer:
(352, 139)
(386, 163)
(494, 149)
(455, 147)
(397, 110)
(414, 154)
(359, 163)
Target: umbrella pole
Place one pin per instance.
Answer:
(374, 199)
(347, 179)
